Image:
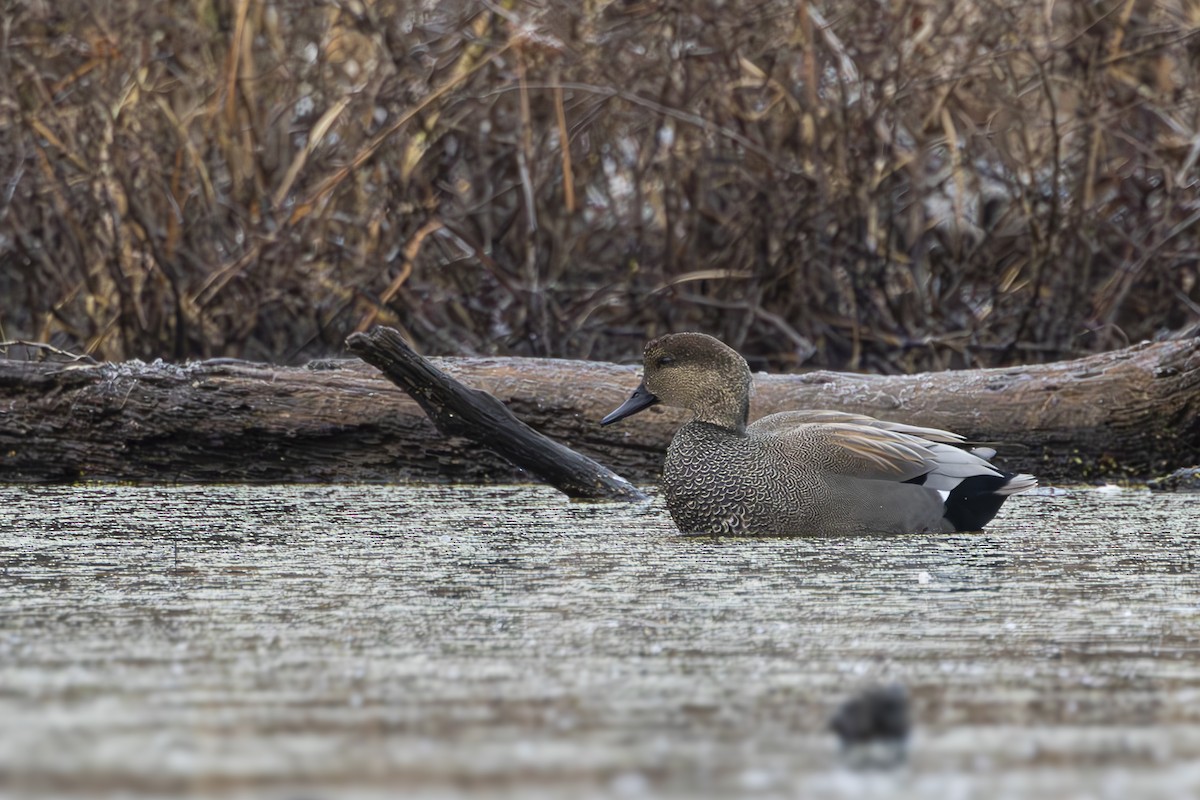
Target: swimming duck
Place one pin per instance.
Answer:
(804, 472)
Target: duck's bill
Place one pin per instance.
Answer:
(640, 400)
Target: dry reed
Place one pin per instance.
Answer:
(892, 186)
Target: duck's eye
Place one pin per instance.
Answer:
(665, 361)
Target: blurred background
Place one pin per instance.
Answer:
(892, 185)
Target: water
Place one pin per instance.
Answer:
(368, 641)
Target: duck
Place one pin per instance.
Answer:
(804, 472)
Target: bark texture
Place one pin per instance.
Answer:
(1128, 414)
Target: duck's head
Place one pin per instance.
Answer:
(696, 372)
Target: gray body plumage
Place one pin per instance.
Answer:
(804, 472)
(719, 481)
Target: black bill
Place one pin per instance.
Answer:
(640, 399)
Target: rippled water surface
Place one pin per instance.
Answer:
(367, 641)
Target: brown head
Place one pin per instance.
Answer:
(696, 372)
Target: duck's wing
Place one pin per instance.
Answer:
(879, 450)
(852, 450)
(786, 420)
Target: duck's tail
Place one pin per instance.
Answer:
(975, 500)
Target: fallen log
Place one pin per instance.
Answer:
(1126, 415)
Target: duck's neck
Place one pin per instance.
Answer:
(728, 412)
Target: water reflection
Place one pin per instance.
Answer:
(254, 640)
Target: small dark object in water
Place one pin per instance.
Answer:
(873, 726)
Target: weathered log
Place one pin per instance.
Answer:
(457, 410)
(1129, 414)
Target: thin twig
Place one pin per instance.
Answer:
(49, 348)
(667, 111)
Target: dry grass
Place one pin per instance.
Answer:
(890, 186)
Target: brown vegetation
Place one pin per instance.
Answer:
(887, 186)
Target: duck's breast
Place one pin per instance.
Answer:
(721, 482)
